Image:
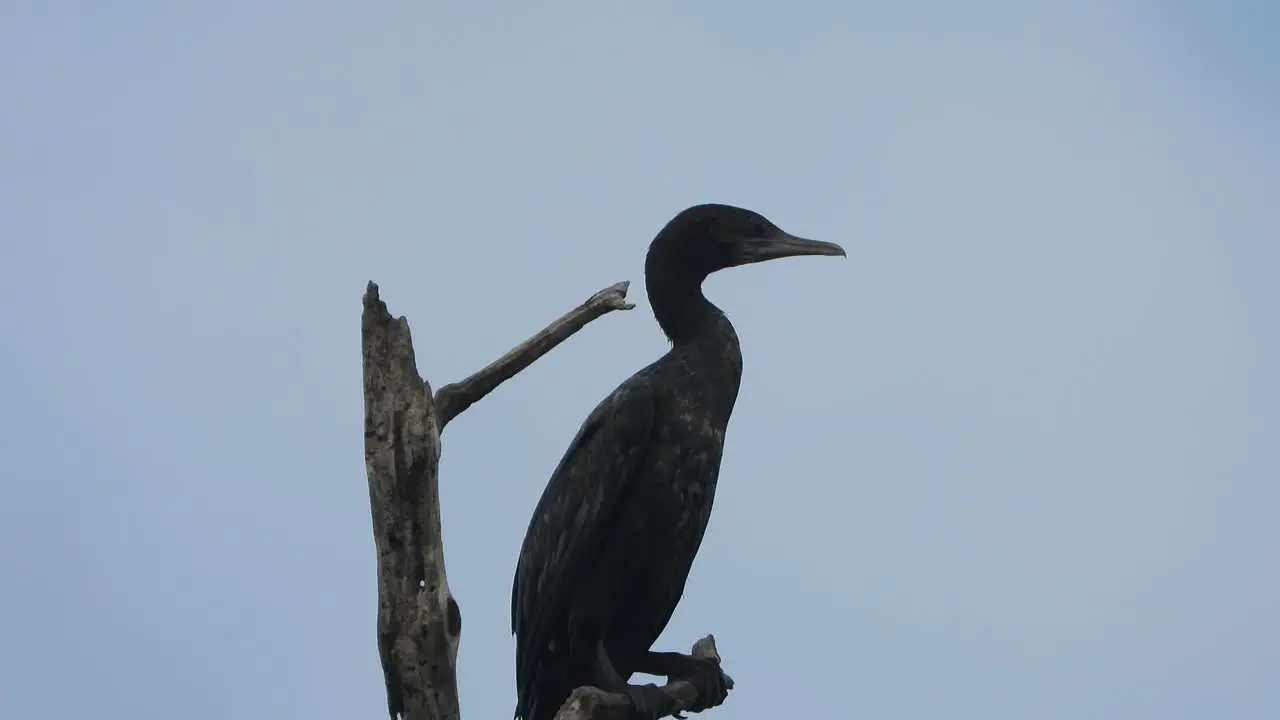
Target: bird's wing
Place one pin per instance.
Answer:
(577, 509)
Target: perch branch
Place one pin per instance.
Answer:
(419, 622)
(592, 703)
(452, 399)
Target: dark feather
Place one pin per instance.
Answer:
(614, 535)
(565, 537)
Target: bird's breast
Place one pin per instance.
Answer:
(679, 486)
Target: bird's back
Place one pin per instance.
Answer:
(617, 527)
(563, 544)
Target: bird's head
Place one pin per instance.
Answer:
(711, 237)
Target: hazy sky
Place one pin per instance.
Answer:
(1016, 457)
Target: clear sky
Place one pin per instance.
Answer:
(1016, 457)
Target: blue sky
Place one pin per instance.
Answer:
(1015, 458)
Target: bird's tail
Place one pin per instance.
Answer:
(540, 695)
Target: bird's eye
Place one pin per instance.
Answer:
(757, 230)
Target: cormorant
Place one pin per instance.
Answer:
(607, 553)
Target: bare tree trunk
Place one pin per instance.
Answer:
(419, 622)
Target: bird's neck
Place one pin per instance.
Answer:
(685, 315)
(704, 343)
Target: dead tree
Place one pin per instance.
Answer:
(419, 622)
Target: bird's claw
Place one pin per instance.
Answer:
(705, 676)
(650, 702)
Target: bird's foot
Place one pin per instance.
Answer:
(649, 701)
(705, 676)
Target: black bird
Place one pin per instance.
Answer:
(612, 539)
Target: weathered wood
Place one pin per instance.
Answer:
(419, 622)
(454, 398)
(591, 703)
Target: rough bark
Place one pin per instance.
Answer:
(419, 622)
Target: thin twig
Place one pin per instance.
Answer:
(452, 399)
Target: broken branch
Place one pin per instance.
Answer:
(451, 400)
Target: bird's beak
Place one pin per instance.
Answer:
(782, 245)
